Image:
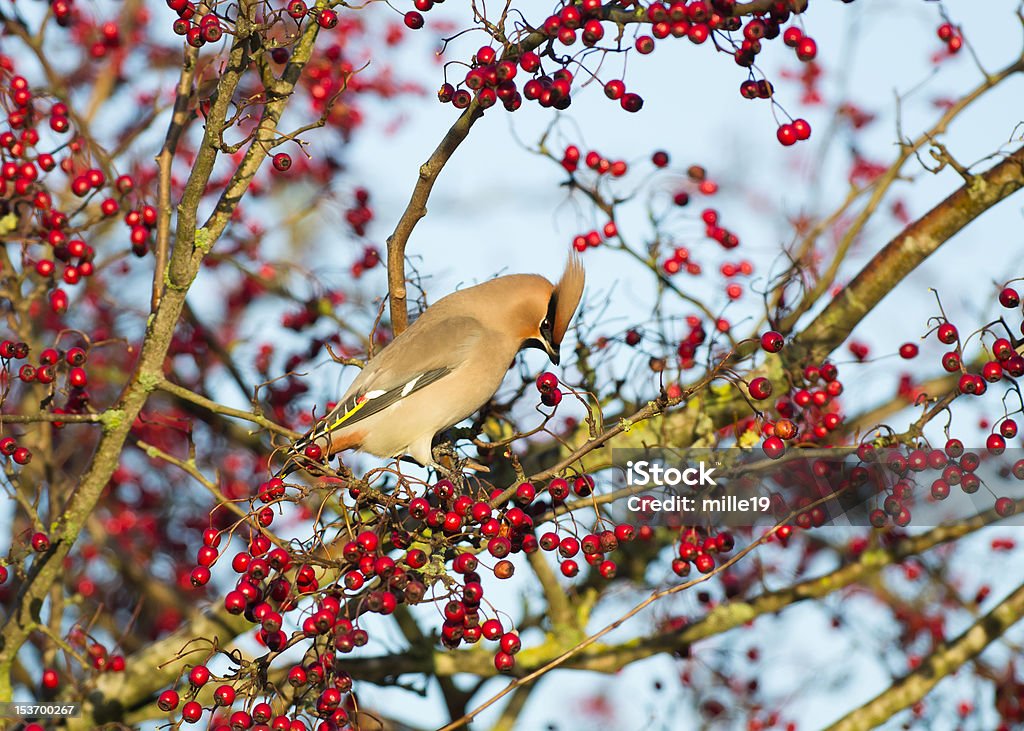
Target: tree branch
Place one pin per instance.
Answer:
(944, 661)
(904, 253)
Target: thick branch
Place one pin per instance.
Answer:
(417, 209)
(904, 253)
(946, 660)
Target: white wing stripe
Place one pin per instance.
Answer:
(410, 386)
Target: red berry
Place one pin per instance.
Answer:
(773, 447)
(168, 700)
(786, 134)
(552, 397)
(77, 378)
(1009, 298)
(806, 49)
(40, 542)
(631, 102)
(199, 675)
(414, 20)
(191, 712)
(529, 62)
(772, 342)
(282, 161)
(947, 333)
(224, 695)
(546, 381)
(614, 89)
(327, 18)
(368, 541)
(908, 351)
(760, 388)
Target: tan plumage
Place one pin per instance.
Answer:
(448, 364)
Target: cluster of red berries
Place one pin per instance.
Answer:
(550, 393)
(792, 132)
(593, 238)
(102, 39)
(140, 223)
(806, 48)
(45, 371)
(369, 258)
(699, 551)
(808, 410)
(951, 36)
(50, 361)
(595, 161)
(492, 80)
(22, 174)
(97, 653)
(718, 233)
(359, 215)
(681, 259)
(594, 546)
(957, 467)
(309, 314)
(260, 716)
(688, 345)
(1005, 363)
(198, 31)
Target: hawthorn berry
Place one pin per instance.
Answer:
(327, 18)
(1009, 298)
(773, 447)
(760, 388)
(947, 333)
(282, 162)
(772, 342)
(191, 712)
(1005, 507)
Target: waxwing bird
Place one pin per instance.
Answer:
(446, 365)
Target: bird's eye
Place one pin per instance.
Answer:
(545, 326)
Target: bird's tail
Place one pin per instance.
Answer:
(296, 458)
(289, 468)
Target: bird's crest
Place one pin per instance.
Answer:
(566, 297)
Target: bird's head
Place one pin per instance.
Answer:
(546, 311)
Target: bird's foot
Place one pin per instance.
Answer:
(448, 462)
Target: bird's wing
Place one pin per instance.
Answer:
(361, 405)
(428, 351)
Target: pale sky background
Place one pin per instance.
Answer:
(497, 208)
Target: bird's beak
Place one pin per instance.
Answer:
(542, 344)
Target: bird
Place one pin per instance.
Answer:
(444, 367)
